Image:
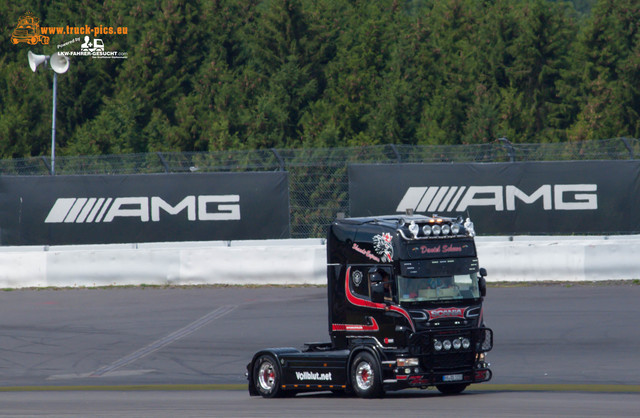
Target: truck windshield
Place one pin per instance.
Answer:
(421, 289)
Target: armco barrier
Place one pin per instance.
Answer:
(298, 261)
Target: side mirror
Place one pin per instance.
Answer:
(482, 282)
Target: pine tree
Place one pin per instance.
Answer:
(538, 56)
(453, 25)
(608, 66)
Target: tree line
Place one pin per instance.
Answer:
(250, 74)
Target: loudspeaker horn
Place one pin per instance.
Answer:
(59, 63)
(35, 60)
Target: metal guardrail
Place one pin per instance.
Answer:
(318, 177)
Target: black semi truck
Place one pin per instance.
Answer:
(405, 299)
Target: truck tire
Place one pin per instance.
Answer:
(366, 377)
(266, 377)
(452, 389)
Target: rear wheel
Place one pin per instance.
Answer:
(452, 389)
(266, 377)
(366, 377)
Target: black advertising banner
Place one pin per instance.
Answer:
(103, 209)
(568, 197)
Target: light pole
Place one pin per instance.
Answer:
(59, 64)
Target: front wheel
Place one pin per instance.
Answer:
(452, 389)
(266, 377)
(366, 377)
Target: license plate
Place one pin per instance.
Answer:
(451, 377)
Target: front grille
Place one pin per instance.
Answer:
(423, 344)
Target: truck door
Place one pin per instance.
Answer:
(370, 311)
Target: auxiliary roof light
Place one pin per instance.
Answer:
(435, 227)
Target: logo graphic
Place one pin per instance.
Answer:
(28, 30)
(357, 277)
(97, 210)
(383, 247)
(446, 313)
(96, 46)
(460, 198)
(92, 47)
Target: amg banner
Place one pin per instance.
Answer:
(143, 208)
(569, 197)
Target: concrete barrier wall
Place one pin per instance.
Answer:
(533, 259)
(298, 262)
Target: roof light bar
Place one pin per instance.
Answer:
(435, 226)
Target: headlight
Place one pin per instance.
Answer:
(446, 229)
(446, 344)
(455, 229)
(427, 230)
(466, 343)
(457, 344)
(437, 345)
(435, 230)
(405, 362)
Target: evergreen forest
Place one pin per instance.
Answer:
(255, 74)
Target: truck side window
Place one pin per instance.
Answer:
(387, 282)
(388, 286)
(358, 282)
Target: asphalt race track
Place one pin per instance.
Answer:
(560, 350)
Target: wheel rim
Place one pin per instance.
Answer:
(364, 375)
(266, 376)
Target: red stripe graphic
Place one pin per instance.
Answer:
(354, 300)
(353, 327)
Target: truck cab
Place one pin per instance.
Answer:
(405, 310)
